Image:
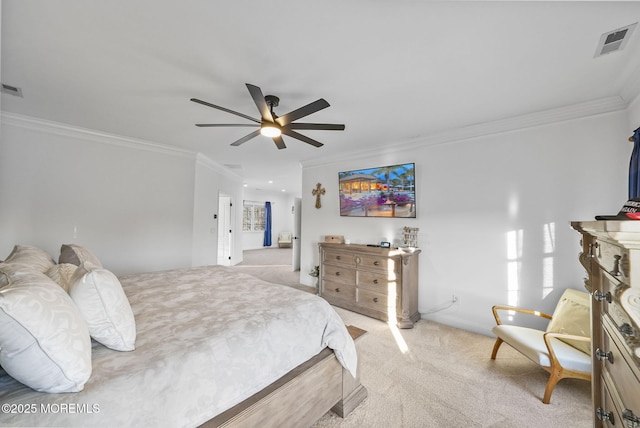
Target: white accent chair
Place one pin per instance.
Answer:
(564, 349)
(284, 240)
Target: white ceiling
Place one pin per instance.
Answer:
(394, 71)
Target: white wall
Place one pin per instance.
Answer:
(634, 115)
(130, 202)
(281, 217)
(210, 182)
(473, 195)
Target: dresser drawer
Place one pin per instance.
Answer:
(375, 282)
(382, 264)
(378, 301)
(334, 272)
(339, 258)
(614, 366)
(335, 290)
(621, 324)
(609, 411)
(614, 260)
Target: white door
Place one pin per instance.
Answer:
(224, 230)
(297, 221)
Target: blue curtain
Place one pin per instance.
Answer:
(267, 225)
(634, 167)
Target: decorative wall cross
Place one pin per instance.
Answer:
(317, 192)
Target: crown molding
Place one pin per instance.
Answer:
(69, 131)
(541, 118)
(209, 163)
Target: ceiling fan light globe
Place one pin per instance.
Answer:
(270, 131)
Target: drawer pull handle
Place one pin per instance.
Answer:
(376, 263)
(631, 420)
(337, 273)
(599, 296)
(337, 290)
(592, 248)
(604, 415)
(375, 300)
(375, 281)
(604, 356)
(626, 329)
(616, 266)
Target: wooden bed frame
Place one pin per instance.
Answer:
(301, 397)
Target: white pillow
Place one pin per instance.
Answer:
(101, 299)
(30, 256)
(44, 340)
(76, 255)
(62, 274)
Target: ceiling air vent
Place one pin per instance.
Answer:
(614, 40)
(11, 90)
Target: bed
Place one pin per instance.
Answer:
(211, 347)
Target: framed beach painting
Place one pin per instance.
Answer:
(387, 191)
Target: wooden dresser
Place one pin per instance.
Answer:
(379, 282)
(611, 257)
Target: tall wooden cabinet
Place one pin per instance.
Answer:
(379, 282)
(611, 257)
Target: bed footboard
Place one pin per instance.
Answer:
(301, 397)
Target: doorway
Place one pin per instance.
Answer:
(225, 234)
(297, 222)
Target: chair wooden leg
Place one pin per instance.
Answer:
(554, 378)
(495, 348)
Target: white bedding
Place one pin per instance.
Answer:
(207, 338)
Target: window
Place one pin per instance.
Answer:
(253, 216)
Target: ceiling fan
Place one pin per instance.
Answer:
(272, 125)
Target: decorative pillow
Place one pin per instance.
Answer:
(572, 316)
(100, 297)
(44, 341)
(76, 255)
(4, 276)
(9, 271)
(61, 274)
(31, 256)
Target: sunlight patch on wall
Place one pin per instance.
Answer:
(549, 248)
(514, 264)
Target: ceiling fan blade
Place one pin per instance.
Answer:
(208, 125)
(204, 103)
(258, 98)
(279, 142)
(302, 112)
(246, 138)
(321, 126)
(301, 137)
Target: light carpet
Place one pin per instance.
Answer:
(438, 376)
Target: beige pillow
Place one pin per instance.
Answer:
(101, 299)
(573, 316)
(30, 256)
(44, 340)
(76, 255)
(61, 274)
(10, 271)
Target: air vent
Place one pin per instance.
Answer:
(615, 40)
(11, 90)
